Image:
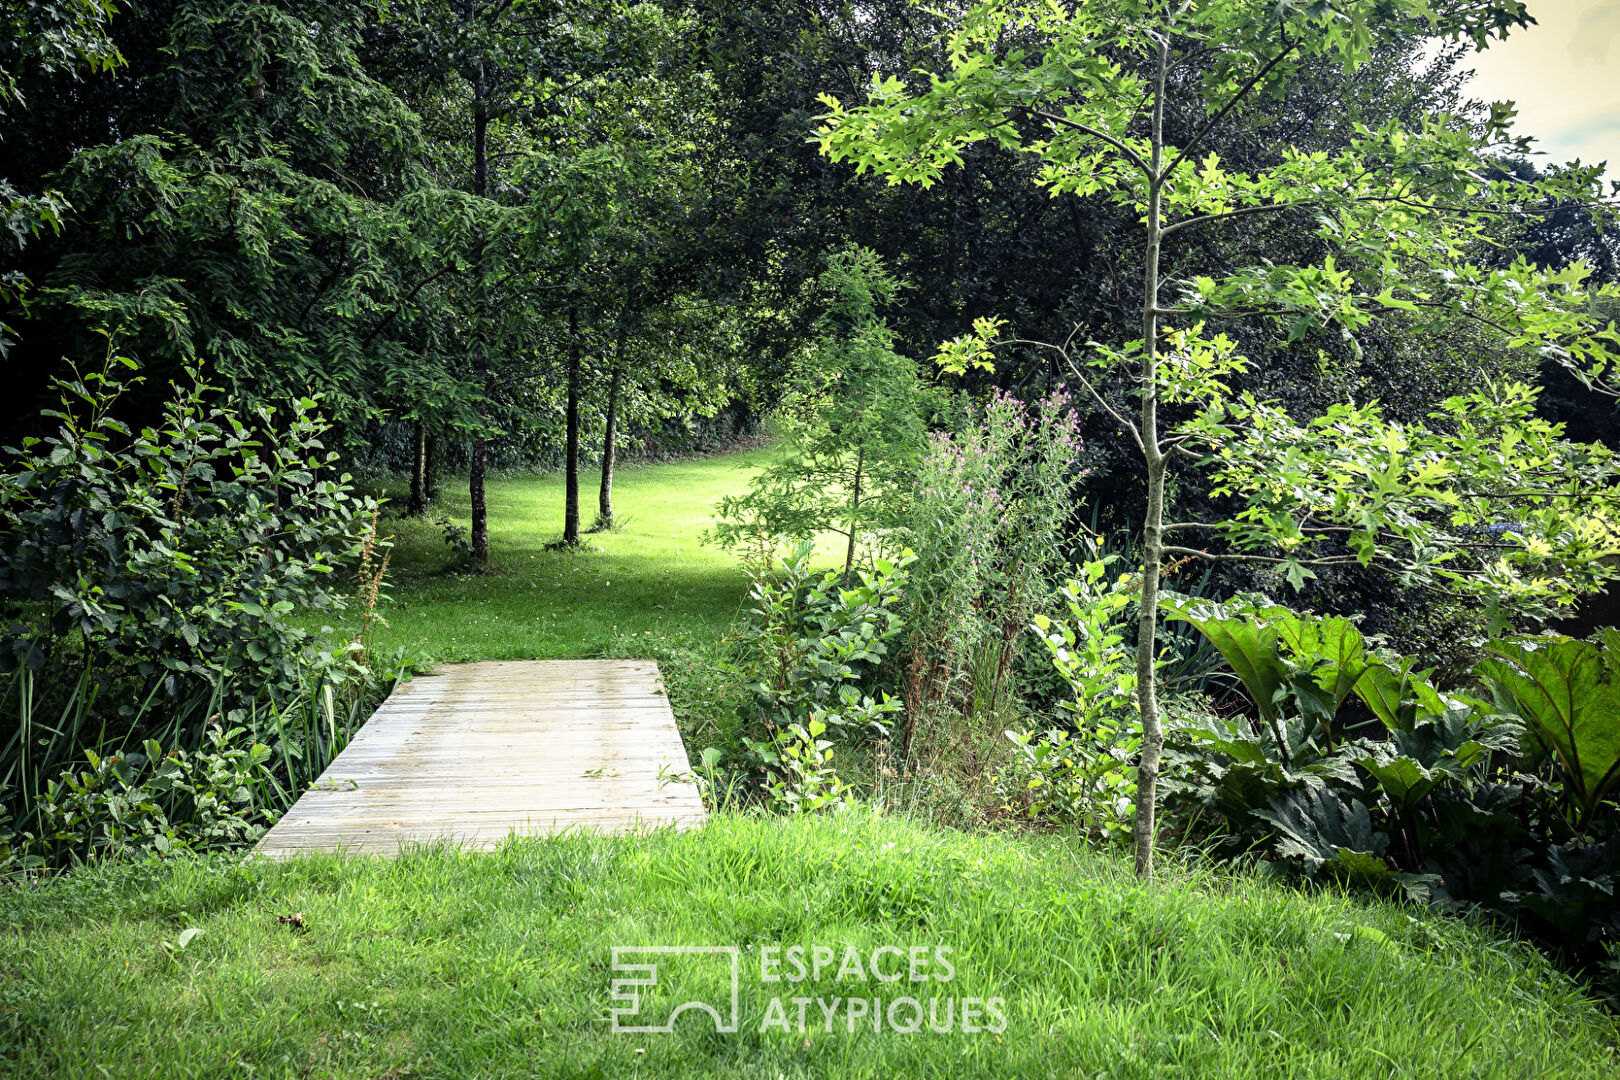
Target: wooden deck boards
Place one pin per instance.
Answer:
(488, 749)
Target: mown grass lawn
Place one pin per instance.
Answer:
(449, 964)
(653, 575)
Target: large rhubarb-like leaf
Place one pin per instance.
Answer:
(1250, 644)
(1334, 646)
(1568, 691)
(1399, 695)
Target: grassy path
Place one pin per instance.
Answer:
(652, 576)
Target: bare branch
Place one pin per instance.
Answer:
(1232, 103)
(1202, 218)
(1102, 402)
(1123, 421)
(1270, 560)
(1087, 129)
(1402, 199)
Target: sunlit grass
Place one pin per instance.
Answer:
(448, 964)
(650, 588)
(651, 575)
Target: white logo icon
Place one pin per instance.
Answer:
(631, 978)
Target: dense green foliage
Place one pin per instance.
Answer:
(40, 42)
(1495, 799)
(1227, 300)
(149, 583)
(1398, 211)
(178, 550)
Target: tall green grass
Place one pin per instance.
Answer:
(450, 964)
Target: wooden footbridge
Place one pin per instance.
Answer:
(485, 750)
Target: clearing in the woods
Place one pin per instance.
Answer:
(652, 575)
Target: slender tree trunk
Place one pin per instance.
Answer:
(604, 498)
(1147, 697)
(480, 446)
(419, 470)
(571, 465)
(854, 514)
(480, 508)
(430, 469)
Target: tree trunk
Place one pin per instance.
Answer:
(604, 498)
(571, 465)
(418, 505)
(854, 514)
(480, 508)
(430, 469)
(480, 446)
(1147, 697)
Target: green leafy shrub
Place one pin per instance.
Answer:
(228, 789)
(107, 809)
(807, 643)
(802, 778)
(176, 550)
(1085, 776)
(147, 578)
(217, 798)
(1503, 805)
(1090, 652)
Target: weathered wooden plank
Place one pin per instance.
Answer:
(514, 800)
(649, 756)
(563, 751)
(326, 838)
(496, 748)
(579, 721)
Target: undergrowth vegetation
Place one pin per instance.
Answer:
(994, 677)
(1166, 472)
(1306, 751)
(156, 693)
